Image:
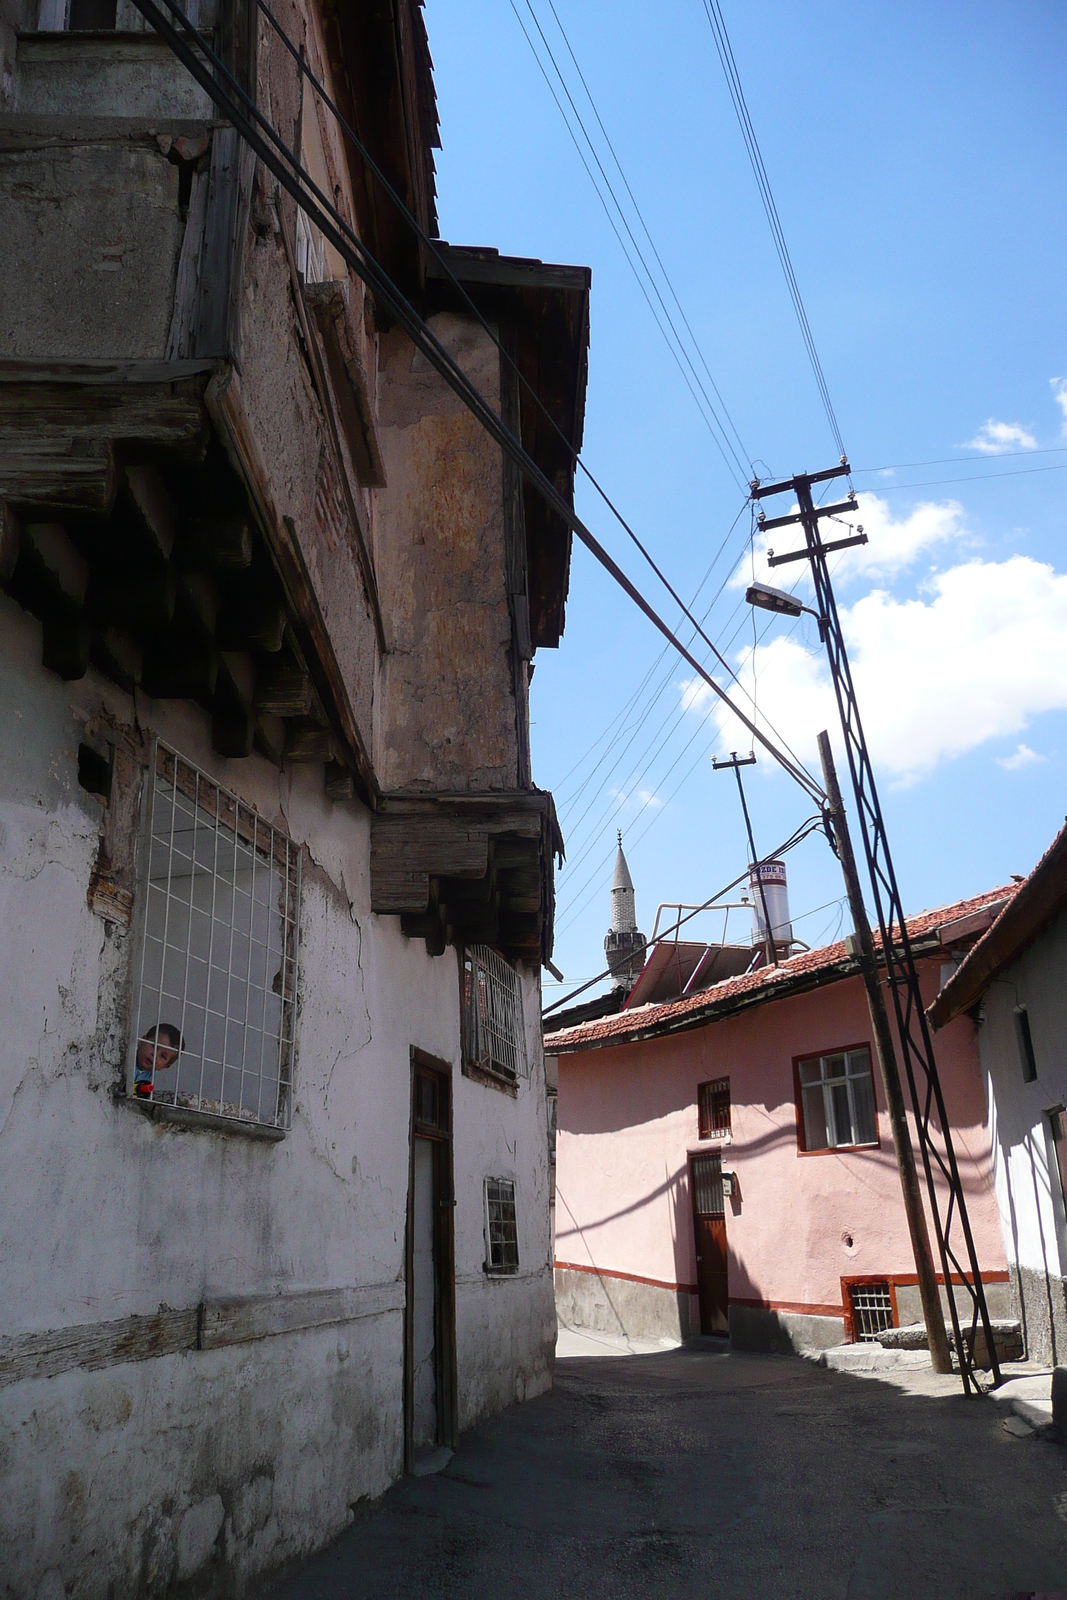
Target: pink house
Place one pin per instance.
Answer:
(725, 1162)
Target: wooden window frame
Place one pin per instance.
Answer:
(798, 1104)
(708, 1130)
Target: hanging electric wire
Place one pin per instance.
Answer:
(740, 467)
(737, 94)
(211, 73)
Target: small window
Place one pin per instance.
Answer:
(494, 1034)
(1058, 1121)
(837, 1100)
(872, 1310)
(501, 1231)
(214, 1001)
(1026, 1044)
(713, 1104)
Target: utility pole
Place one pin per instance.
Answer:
(736, 763)
(940, 1355)
(959, 1260)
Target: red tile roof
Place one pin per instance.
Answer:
(826, 965)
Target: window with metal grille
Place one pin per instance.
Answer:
(713, 1104)
(494, 1033)
(501, 1231)
(215, 997)
(837, 1098)
(872, 1309)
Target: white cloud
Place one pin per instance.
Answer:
(994, 438)
(1023, 757)
(1059, 394)
(637, 799)
(892, 543)
(981, 653)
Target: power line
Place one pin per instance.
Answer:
(812, 825)
(975, 477)
(647, 234)
(951, 461)
(737, 467)
(448, 368)
(210, 72)
(737, 94)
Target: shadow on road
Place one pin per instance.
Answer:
(712, 1473)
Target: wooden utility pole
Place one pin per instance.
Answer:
(940, 1354)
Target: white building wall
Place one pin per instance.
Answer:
(205, 1466)
(1029, 1194)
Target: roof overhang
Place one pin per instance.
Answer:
(1039, 898)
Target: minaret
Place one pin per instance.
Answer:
(624, 945)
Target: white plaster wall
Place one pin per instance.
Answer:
(1027, 1182)
(104, 1214)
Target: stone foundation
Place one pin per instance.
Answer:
(606, 1304)
(783, 1332)
(1040, 1303)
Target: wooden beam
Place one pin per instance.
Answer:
(10, 541)
(221, 543)
(180, 666)
(338, 783)
(252, 617)
(155, 509)
(309, 744)
(284, 691)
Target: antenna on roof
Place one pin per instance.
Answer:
(735, 764)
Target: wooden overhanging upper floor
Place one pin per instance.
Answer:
(541, 313)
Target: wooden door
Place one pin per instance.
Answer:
(709, 1229)
(430, 1318)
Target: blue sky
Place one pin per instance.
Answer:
(917, 155)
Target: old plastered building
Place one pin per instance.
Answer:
(275, 883)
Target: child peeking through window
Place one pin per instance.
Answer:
(157, 1049)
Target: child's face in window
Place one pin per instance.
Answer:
(153, 1057)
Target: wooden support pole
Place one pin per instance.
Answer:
(940, 1355)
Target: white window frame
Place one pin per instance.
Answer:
(494, 1022)
(500, 1191)
(227, 841)
(829, 1080)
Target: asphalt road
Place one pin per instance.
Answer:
(707, 1473)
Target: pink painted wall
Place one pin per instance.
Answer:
(628, 1118)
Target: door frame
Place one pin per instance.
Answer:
(702, 1155)
(439, 1133)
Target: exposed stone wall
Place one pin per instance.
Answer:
(448, 710)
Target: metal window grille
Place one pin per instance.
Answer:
(501, 1230)
(215, 1002)
(707, 1186)
(872, 1310)
(494, 1031)
(837, 1093)
(714, 1108)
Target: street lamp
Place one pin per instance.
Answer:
(767, 598)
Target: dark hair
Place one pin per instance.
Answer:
(167, 1034)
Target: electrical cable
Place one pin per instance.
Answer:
(951, 461)
(975, 477)
(211, 73)
(812, 825)
(429, 243)
(648, 236)
(714, 14)
(743, 471)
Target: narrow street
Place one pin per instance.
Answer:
(709, 1473)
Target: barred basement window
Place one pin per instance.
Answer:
(872, 1310)
(494, 1032)
(713, 1106)
(837, 1099)
(501, 1231)
(215, 998)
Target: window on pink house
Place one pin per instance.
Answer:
(835, 1095)
(713, 1103)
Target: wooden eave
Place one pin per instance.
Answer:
(468, 869)
(547, 307)
(137, 525)
(383, 78)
